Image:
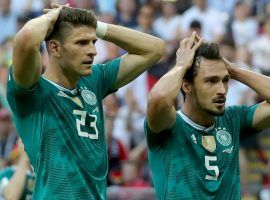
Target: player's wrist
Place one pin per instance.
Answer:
(101, 29)
(182, 67)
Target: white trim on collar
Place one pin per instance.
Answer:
(73, 91)
(193, 124)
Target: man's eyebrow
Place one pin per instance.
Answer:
(216, 77)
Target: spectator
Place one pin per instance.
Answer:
(131, 176)
(17, 182)
(244, 28)
(117, 152)
(126, 14)
(8, 136)
(168, 25)
(221, 6)
(145, 19)
(260, 49)
(129, 121)
(212, 23)
(8, 20)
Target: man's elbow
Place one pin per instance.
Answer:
(158, 100)
(157, 49)
(160, 47)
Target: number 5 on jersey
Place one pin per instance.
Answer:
(211, 168)
(81, 122)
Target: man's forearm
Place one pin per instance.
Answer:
(34, 31)
(133, 41)
(258, 82)
(169, 86)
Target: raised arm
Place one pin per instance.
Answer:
(143, 51)
(26, 57)
(261, 85)
(161, 113)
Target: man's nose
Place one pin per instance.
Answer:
(222, 88)
(91, 50)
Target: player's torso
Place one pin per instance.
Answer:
(202, 160)
(72, 148)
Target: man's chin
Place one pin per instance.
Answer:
(86, 73)
(216, 112)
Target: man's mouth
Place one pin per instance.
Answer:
(89, 62)
(220, 101)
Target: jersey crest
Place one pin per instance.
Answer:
(89, 97)
(209, 143)
(223, 137)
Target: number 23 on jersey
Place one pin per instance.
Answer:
(81, 122)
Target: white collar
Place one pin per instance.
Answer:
(193, 124)
(73, 91)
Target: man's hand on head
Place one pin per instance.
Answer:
(230, 66)
(185, 53)
(53, 14)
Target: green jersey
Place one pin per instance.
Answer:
(190, 161)
(63, 133)
(7, 173)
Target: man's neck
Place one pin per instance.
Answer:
(56, 75)
(197, 115)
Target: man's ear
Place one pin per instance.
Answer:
(186, 86)
(54, 48)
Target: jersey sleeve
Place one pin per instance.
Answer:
(108, 74)
(156, 140)
(244, 114)
(21, 101)
(25, 105)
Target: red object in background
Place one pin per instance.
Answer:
(266, 180)
(137, 183)
(117, 153)
(151, 81)
(71, 3)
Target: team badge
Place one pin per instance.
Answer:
(223, 137)
(209, 143)
(89, 97)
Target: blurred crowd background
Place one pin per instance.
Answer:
(241, 28)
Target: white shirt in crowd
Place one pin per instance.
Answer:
(244, 31)
(211, 21)
(260, 50)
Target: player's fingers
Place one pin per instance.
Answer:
(183, 43)
(191, 40)
(55, 5)
(197, 45)
(197, 38)
(226, 61)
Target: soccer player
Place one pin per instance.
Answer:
(59, 114)
(194, 152)
(17, 181)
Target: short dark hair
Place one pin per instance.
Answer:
(206, 50)
(195, 24)
(69, 18)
